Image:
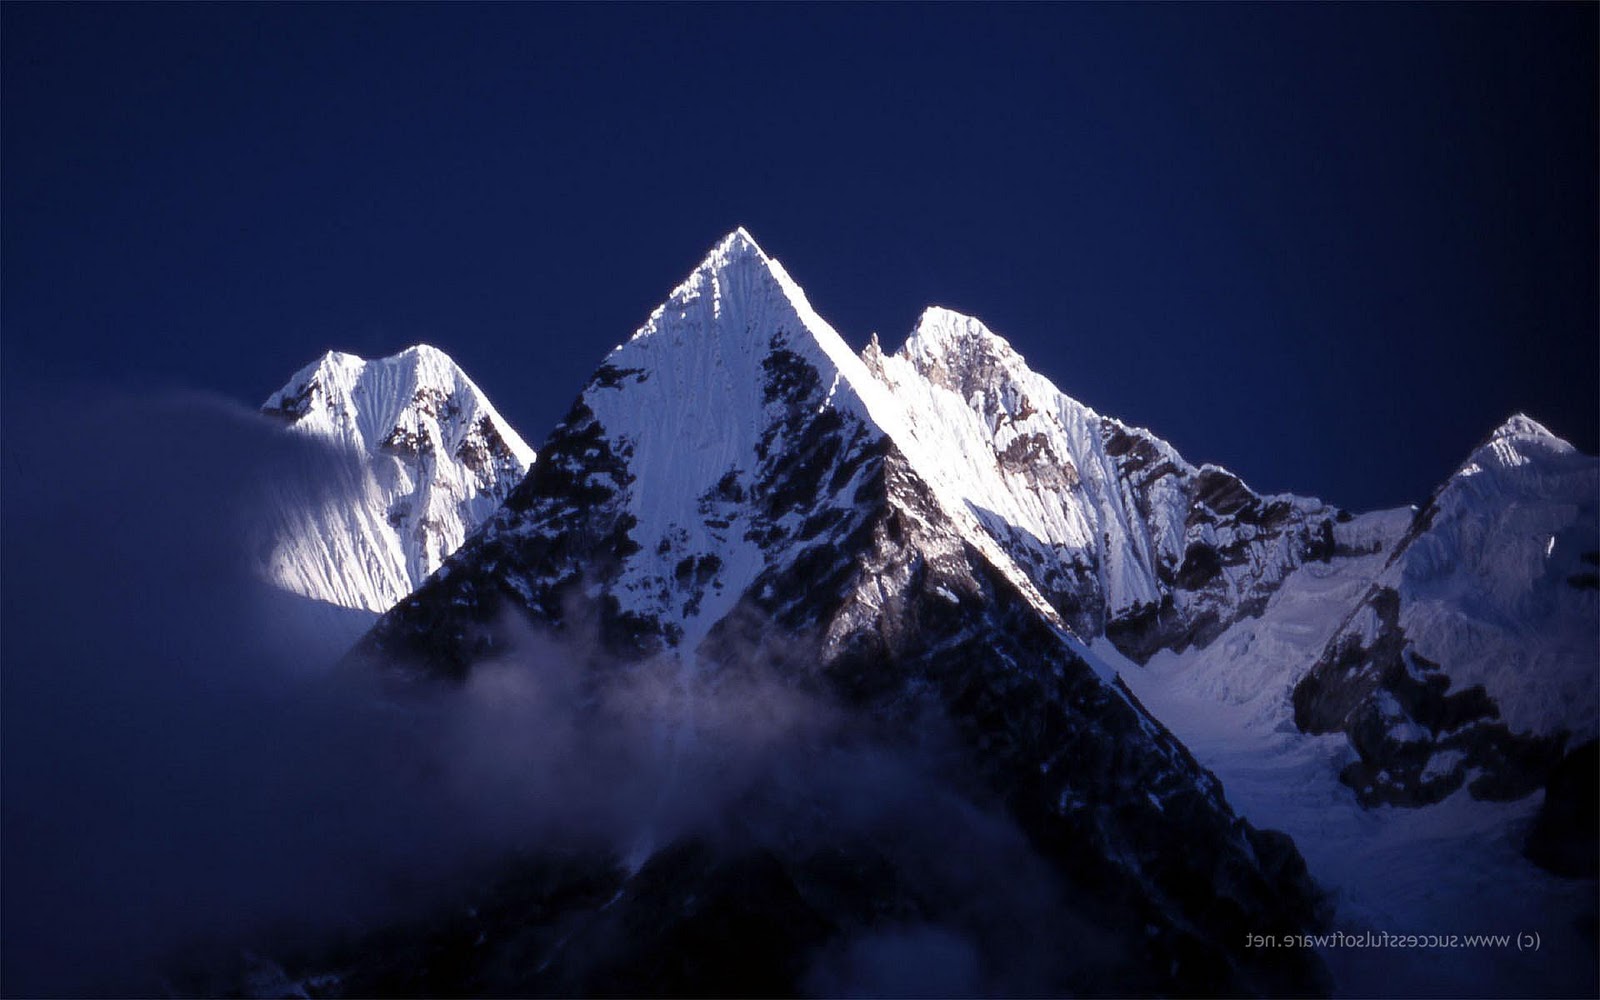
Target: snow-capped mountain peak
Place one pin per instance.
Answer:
(730, 295)
(702, 397)
(737, 243)
(436, 459)
(943, 336)
(1471, 660)
(1120, 533)
(1514, 443)
(368, 403)
(1522, 425)
(958, 352)
(943, 528)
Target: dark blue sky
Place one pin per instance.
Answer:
(1329, 247)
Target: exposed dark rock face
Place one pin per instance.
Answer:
(570, 526)
(292, 404)
(1565, 838)
(406, 443)
(1238, 546)
(485, 452)
(1417, 739)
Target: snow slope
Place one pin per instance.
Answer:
(1493, 588)
(435, 460)
(1454, 867)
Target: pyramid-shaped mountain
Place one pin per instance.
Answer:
(736, 486)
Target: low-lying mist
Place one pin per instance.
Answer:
(187, 761)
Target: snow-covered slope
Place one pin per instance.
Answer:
(1442, 678)
(736, 486)
(435, 462)
(1499, 583)
(1249, 673)
(1120, 533)
(1452, 868)
(1473, 659)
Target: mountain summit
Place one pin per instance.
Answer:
(1121, 534)
(434, 460)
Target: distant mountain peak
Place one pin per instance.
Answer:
(942, 333)
(960, 353)
(737, 300)
(426, 352)
(1491, 590)
(434, 458)
(1512, 444)
(739, 243)
(1522, 425)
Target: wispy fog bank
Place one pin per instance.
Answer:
(186, 765)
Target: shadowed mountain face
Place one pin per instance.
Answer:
(736, 494)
